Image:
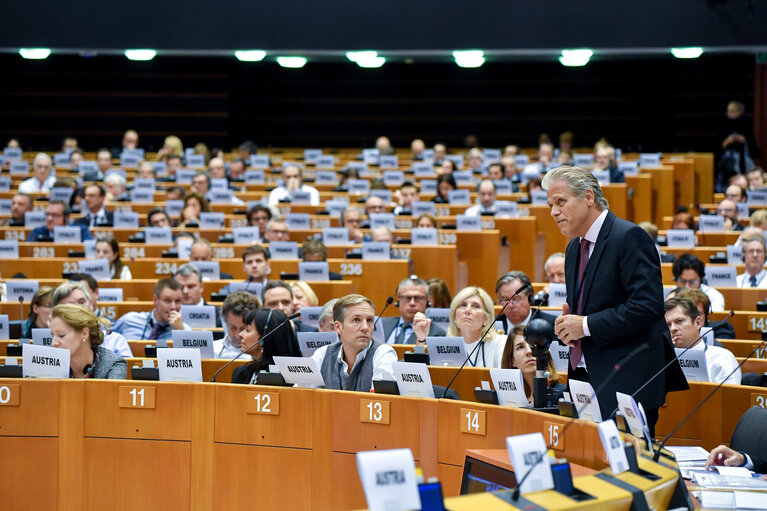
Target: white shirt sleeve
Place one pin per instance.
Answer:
(383, 362)
(716, 298)
(721, 362)
(586, 331)
(319, 355)
(314, 195)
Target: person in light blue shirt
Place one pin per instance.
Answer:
(159, 323)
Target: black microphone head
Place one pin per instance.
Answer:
(539, 332)
(21, 299)
(389, 300)
(294, 315)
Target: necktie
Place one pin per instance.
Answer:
(753, 280)
(156, 328)
(403, 333)
(575, 351)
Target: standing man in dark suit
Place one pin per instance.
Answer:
(614, 295)
(412, 298)
(518, 311)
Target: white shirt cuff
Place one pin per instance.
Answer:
(586, 332)
(749, 462)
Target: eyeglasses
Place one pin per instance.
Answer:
(416, 299)
(516, 300)
(685, 282)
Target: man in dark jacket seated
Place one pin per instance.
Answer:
(56, 215)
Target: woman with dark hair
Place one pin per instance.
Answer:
(439, 293)
(108, 248)
(445, 183)
(281, 343)
(517, 354)
(194, 204)
(39, 311)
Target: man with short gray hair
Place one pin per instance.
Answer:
(412, 325)
(356, 359)
(518, 312)
(41, 180)
(190, 278)
(325, 321)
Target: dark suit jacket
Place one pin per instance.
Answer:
(218, 313)
(225, 276)
(390, 324)
(623, 299)
(539, 315)
(302, 327)
(750, 436)
(86, 220)
(722, 329)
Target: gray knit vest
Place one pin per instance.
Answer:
(361, 377)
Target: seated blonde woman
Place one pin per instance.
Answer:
(518, 354)
(471, 313)
(303, 295)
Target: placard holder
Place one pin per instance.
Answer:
(271, 379)
(146, 373)
(489, 397)
(12, 371)
(418, 358)
(563, 482)
(150, 351)
(386, 387)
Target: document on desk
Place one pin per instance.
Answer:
(715, 481)
(684, 453)
(733, 500)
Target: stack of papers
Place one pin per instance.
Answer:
(690, 459)
(714, 481)
(733, 500)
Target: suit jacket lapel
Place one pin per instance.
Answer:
(596, 255)
(571, 269)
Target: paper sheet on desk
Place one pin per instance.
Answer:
(685, 453)
(733, 500)
(711, 480)
(733, 471)
(750, 500)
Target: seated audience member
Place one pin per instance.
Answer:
(510, 150)
(439, 293)
(545, 157)
(217, 168)
(190, 278)
(259, 216)
(84, 291)
(194, 204)
(314, 250)
(374, 204)
(20, 204)
(426, 221)
(56, 215)
(356, 359)
(202, 250)
(95, 215)
(684, 323)
(417, 147)
(255, 264)
(76, 328)
(75, 157)
(440, 152)
(689, 271)
(13, 144)
(293, 181)
(406, 194)
(722, 329)
(68, 144)
(445, 167)
(277, 230)
(303, 295)
(160, 322)
(729, 211)
(171, 146)
(114, 186)
(278, 295)
(534, 185)
(351, 218)
(39, 311)
(41, 180)
(130, 140)
(605, 160)
(233, 311)
(237, 169)
(382, 233)
(471, 313)
(735, 193)
(474, 160)
(758, 219)
(756, 179)
(247, 149)
(103, 161)
(518, 354)
(554, 273)
(511, 172)
(200, 184)
(518, 312)
(566, 141)
(752, 436)
(412, 326)
(683, 220)
(202, 149)
(108, 248)
(280, 343)
(753, 257)
(495, 172)
(325, 321)
(383, 144)
(445, 183)
(157, 217)
(564, 157)
(486, 196)
(146, 169)
(346, 174)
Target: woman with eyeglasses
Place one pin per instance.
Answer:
(280, 343)
(471, 314)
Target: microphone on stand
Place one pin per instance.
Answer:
(540, 333)
(388, 302)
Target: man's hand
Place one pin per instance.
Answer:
(568, 327)
(174, 318)
(293, 184)
(723, 455)
(421, 325)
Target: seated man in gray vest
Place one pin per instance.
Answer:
(356, 360)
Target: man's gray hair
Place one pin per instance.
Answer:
(351, 209)
(756, 238)
(188, 269)
(42, 156)
(413, 280)
(276, 220)
(515, 275)
(327, 311)
(551, 259)
(115, 179)
(67, 288)
(578, 181)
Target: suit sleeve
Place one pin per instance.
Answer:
(640, 295)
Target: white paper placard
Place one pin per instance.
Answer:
(97, 268)
(583, 160)
(708, 335)
(382, 220)
(721, 276)
(743, 211)
(557, 294)
(184, 247)
(42, 336)
(459, 197)
(246, 235)
(9, 249)
(457, 159)
(179, 364)
(585, 400)
(384, 195)
(326, 177)
(185, 176)
(361, 186)
(34, 219)
(220, 196)
(254, 177)
(19, 168)
(539, 198)
(143, 183)
(439, 316)
(158, 236)
(174, 207)
(313, 271)
(283, 250)
(446, 351)
(756, 197)
(528, 454)
(300, 197)
(370, 156)
(734, 254)
(309, 342)
(613, 446)
(509, 386)
(376, 250)
(520, 160)
(634, 418)
(693, 364)
(388, 479)
(629, 167)
(428, 186)
(463, 177)
(67, 234)
(299, 370)
(711, 223)
(210, 270)
(259, 161)
(253, 288)
(141, 196)
(393, 177)
(419, 208)
(211, 220)
(602, 176)
(424, 236)
(110, 294)
(298, 221)
(4, 334)
(413, 379)
(311, 316)
(388, 161)
(680, 238)
(12, 153)
(335, 207)
(129, 161)
(5, 205)
(423, 169)
(468, 223)
(649, 159)
(334, 236)
(325, 161)
(503, 187)
(44, 361)
(195, 339)
(506, 209)
(25, 289)
(126, 219)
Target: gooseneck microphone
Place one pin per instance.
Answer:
(482, 339)
(21, 308)
(671, 362)
(617, 367)
(260, 341)
(388, 302)
(656, 456)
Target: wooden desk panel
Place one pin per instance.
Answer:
(28, 472)
(640, 202)
(37, 413)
